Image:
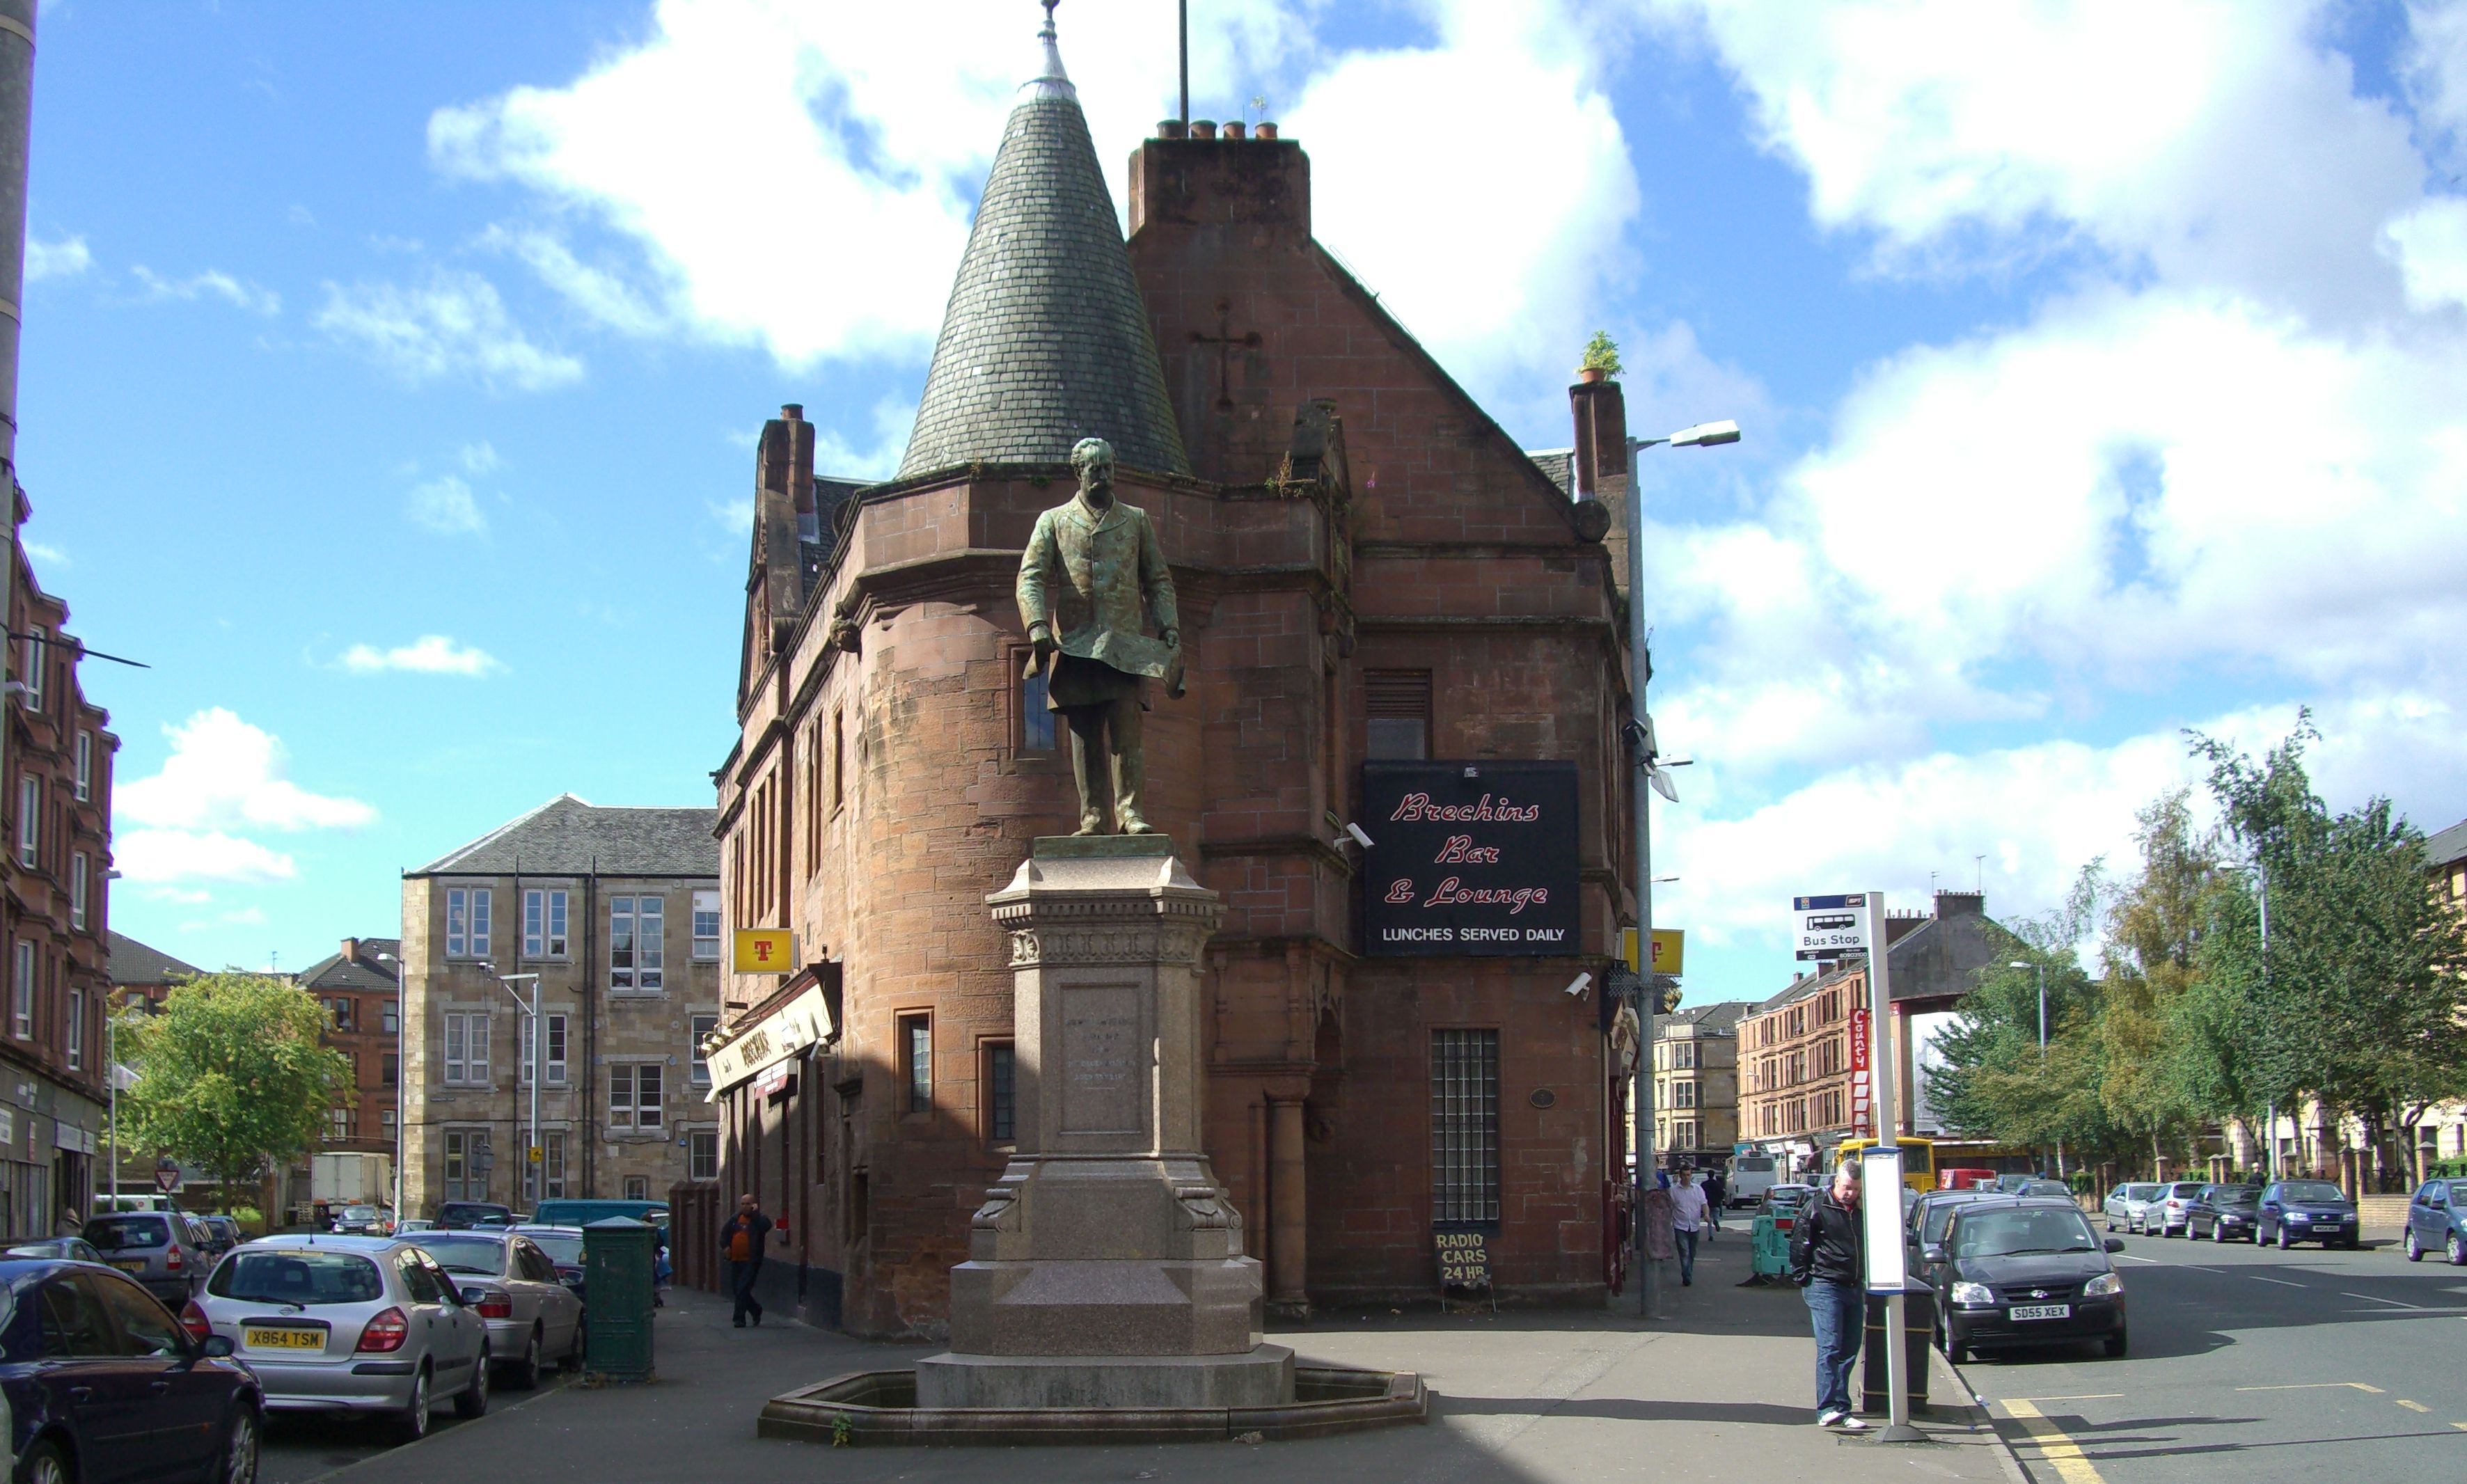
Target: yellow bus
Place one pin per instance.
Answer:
(1918, 1158)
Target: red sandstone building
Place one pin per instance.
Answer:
(1370, 570)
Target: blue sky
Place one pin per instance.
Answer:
(391, 374)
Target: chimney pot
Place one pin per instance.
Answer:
(1233, 129)
(1203, 128)
(794, 412)
(1265, 131)
(1171, 129)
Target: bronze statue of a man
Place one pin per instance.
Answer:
(1090, 579)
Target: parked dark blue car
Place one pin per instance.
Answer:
(2436, 1222)
(2305, 1210)
(104, 1383)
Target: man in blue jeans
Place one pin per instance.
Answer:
(1825, 1261)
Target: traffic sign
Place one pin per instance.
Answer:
(535, 1153)
(1831, 925)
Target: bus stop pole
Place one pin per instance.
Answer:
(1883, 1068)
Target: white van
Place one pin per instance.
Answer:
(1751, 1176)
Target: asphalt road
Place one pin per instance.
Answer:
(2252, 1365)
(298, 1448)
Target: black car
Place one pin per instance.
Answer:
(2222, 1211)
(1924, 1225)
(464, 1215)
(2306, 1210)
(2025, 1270)
(104, 1383)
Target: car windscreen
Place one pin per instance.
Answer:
(2236, 1195)
(359, 1213)
(1753, 1164)
(559, 1249)
(2458, 1190)
(2310, 1190)
(2186, 1188)
(297, 1277)
(2012, 1234)
(477, 1256)
(125, 1233)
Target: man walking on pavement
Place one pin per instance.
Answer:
(740, 1242)
(1715, 1193)
(1825, 1261)
(1686, 1219)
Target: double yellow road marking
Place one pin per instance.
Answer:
(2062, 1454)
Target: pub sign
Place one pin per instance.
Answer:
(1470, 859)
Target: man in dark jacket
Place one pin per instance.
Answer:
(740, 1243)
(1826, 1260)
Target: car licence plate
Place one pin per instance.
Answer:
(284, 1338)
(2041, 1311)
(138, 1266)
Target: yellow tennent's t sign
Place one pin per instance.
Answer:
(765, 951)
(1669, 949)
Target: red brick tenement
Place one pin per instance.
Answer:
(1353, 540)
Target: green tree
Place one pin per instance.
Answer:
(233, 1076)
(1992, 1079)
(2162, 1082)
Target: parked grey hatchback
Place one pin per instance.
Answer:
(349, 1324)
(161, 1250)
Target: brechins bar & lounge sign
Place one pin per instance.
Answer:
(1470, 858)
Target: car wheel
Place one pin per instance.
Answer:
(2456, 1250)
(2415, 1249)
(526, 1373)
(474, 1399)
(1957, 1352)
(411, 1424)
(45, 1463)
(2115, 1346)
(239, 1462)
(2219, 1235)
(2286, 1243)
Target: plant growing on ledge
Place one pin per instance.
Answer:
(1601, 357)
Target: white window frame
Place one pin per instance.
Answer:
(77, 890)
(706, 945)
(21, 992)
(85, 767)
(558, 1045)
(637, 1096)
(465, 1049)
(30, 661)
(545, 923)
(392, 1022)
(698, 1026)
(467, 922)
(77, 1031)
(30, 821)
(702, 1155)
(643, 921)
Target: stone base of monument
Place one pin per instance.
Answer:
(1262, 1378)
(880, 1407)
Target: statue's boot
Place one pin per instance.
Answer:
(1081, 724)
(1130, 772)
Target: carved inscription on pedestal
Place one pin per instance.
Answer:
(1104, 1061)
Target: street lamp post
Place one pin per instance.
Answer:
(1639, 729)
(531, 1063)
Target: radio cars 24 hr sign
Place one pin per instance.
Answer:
(1465, 865)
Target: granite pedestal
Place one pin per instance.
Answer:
(1106, 1268)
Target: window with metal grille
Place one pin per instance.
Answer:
(1002, 1095)
(1464, 1126)
(1397, 703)
(917, 1061)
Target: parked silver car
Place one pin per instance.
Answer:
(163, 1250)
(2168, 1210)
(2127, 1203)
(532, 1317)
(349, 1324)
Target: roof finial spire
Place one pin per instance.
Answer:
(1053, 81)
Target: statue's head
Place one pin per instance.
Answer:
(1093, 459)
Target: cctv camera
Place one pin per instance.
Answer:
(1358, 837)
(1579, 984)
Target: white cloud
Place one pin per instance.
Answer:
(245, 916)
(226, 774)
(149, 855)
(2429, 244)
(50, 554)
(480, 458)
(601, 294)
(431, 654)
(212, 283)
(186, 896)
(445, 506)
(64, 259)
(454, 324)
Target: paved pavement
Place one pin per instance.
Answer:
(2251, 1364)
(1721, 1386)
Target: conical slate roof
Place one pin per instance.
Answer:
(1046, 339)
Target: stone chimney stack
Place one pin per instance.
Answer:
(1598, 464)
(351, 950)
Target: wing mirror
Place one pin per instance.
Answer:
(2115, 1243)
(214, 1347)
(1933, 1252)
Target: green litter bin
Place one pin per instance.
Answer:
(618, 1258)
